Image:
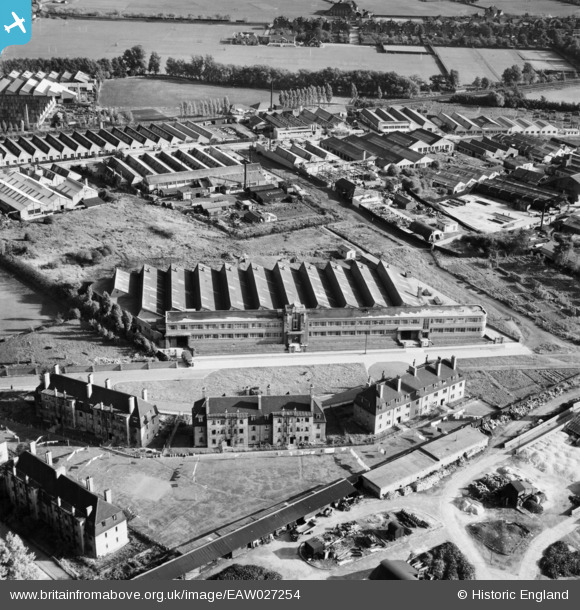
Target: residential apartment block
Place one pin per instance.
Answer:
(113, 417)
(251, 421)
(423, 388)
(89, 524)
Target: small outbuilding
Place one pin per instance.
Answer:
(390, 569)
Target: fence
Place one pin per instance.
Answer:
(18, 371)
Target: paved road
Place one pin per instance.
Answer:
(204, 366)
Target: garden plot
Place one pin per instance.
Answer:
(501, 537)
(481, 385)
(518, 383)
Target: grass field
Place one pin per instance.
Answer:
(533, 7)
(178, 500)
(491, 63)
(266, 10)
(556, 94)
(145, 93)
(95, 39)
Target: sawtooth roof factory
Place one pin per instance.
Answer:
(290, 306)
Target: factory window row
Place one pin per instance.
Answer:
(469, 329)
(224, 326)
(238, 336)
(384, 322)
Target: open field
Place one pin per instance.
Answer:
(269, 9)
(21, 308)
(177, 500)
(325, 379)
(552, 305)
(554, 456)
(145, 92)
(95, 39)
(63, 344)
(556, 94)
(136, 241)
(533, 7)
(491, 63)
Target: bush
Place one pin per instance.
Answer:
(48, 220)
(559, 561)
(534, 507)
(249, 572)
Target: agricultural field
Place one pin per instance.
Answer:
(556, 94)
(267, 10)
(70, 38)
(178, 499)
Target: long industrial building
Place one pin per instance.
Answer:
(294, 306)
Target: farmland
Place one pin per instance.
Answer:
(267, 10)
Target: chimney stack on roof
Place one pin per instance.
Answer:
(144, 394)
(204, 392)
(131, 404)
(413, 369)
(398, 383)
(454, 362)
(259, 401)
(438, 367)
(48, 457)
(46, 381)
(91, 378)
(268, 390)
(89, 484)
(89, 510)
(89, 390)
(108, 495)
(57, 369)
(108, 384)
(33, 447)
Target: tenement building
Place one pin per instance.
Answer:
(423, 388)
(297, 307)
(87, 523)
(113, 417)
(252, 421)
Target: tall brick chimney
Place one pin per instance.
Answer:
(48, 457)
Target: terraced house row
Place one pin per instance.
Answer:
(292, 306)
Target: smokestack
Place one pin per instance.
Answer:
(46, 381)
(108, 495)
(57, 369)
(89, 484)
(131, 404)
(144, 394)
(48, 457)
(33, 447)
(108, 384)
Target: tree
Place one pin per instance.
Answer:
(485, 83)
(154, 63)
(16, 563)
(353, 92)
(379, 92)
(106, 304)
(328, 92)
(134, 60)
(454, 78)
(127, 320)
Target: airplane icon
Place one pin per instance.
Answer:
(17, 22)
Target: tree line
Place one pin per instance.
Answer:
(307, 96)
(205, 69)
